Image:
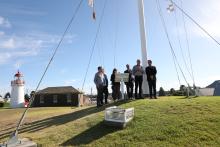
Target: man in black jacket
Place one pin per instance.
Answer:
(151, 72)
(130, 83)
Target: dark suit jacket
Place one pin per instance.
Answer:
(151, 71)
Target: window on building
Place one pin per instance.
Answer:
(68, 96)
(41, 99)
(55, 99)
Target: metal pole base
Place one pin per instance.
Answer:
(15, 142)
(146, 95)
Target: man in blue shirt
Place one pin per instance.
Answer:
(138, 73)
(99, 82)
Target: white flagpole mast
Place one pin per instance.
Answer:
(143, 44)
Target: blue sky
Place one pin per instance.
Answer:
(30, 30)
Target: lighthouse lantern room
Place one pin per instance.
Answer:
(17, 91)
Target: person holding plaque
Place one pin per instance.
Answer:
(115, 86)
(138, 73)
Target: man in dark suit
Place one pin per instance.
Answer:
(151, 72)
(130, 83)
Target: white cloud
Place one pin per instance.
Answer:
(17, 42)
(4, 57)
(4, 22)
(15, 46)
(203, 12)
(2, 33)
(27, 45)
(8, 44)
(206, 14)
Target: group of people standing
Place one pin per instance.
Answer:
(135, 78)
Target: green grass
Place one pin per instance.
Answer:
(168, 121)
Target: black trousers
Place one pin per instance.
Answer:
(116, 91)
(99, 95)
(105, 91)
(138, 85)
(152, 88)
(130, 87)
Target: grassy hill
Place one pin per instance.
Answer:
(168, 121)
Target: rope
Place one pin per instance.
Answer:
(116, 34)
(100, 50)
(176, 69)
(187, 42)
(94, 43)
(168, 38)
(101, 55)
(194, 21)
(180, 45)
(47, 67)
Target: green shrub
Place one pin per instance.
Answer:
(1, 104)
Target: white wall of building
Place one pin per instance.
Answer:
(206, 91)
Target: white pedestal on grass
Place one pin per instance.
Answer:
(119, 117)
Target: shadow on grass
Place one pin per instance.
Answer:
(57, 120)
(190, 97)
(94, 133)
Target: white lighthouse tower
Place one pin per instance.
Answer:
(17, 91)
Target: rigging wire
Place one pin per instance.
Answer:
(103, 56)
(174, 61)
(94, 43)
(187, 42)
(100, 49)
(100, 52)
(198, 25)
(47, 67)
(180, 45)
(168, 38)
(116, 34)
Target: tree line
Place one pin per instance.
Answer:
(182, 91)
(27, 96)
